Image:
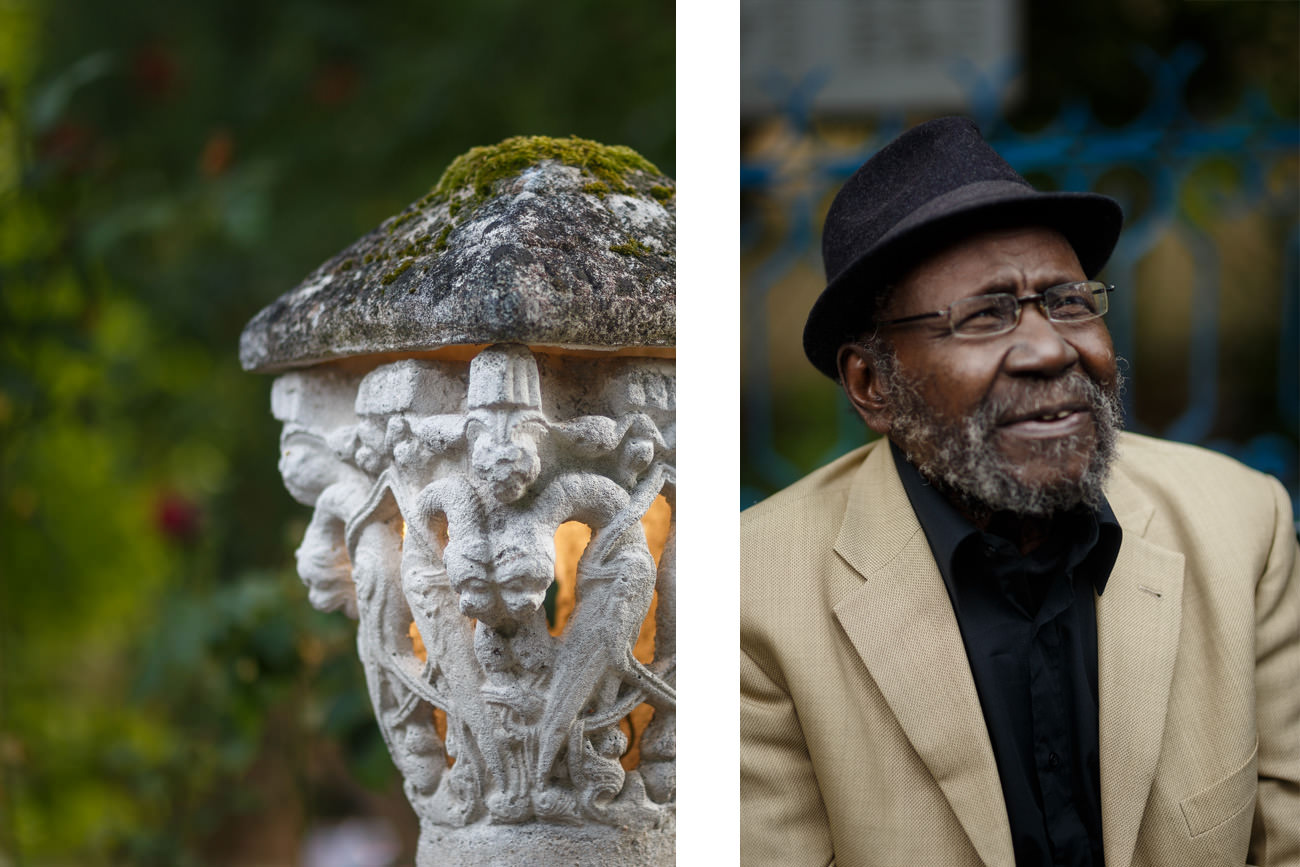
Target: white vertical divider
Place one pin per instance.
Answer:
(708, 352)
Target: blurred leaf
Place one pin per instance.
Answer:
(49, 101)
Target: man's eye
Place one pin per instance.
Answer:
(980, 318)
(1073, 303)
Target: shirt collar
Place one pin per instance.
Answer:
(946, 528)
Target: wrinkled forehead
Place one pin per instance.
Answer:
(1004, 259)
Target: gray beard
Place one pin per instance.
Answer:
(960, 457)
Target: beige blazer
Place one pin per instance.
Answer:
(862, 740)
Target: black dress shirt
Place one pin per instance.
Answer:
(1030, 630)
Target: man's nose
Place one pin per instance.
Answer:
(1038, 346)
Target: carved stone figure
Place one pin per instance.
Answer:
(438, 489)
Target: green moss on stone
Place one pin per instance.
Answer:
(632, 247)
(396, 272)
(441, 243)
(473, 177)
(480, 168)
(400, 220)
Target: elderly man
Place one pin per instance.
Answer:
(1005, 633)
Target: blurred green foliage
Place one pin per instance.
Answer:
(167, 696)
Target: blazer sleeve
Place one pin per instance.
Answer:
(782, 819)
(1275, 835)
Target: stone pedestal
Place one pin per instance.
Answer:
(462, 439)
(588, 846)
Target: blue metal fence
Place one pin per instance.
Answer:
(1176, 175)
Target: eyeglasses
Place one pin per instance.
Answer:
(998, 313)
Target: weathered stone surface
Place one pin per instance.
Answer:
(588, 846)
(544, 242)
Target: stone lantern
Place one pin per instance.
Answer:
(478, 402)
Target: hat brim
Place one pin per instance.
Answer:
(1090, 222)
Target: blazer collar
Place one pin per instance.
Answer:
(900, 622)
(1139, 618)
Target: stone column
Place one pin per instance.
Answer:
(486, 375)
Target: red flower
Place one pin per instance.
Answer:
(154, 70)
(334, 84)
(69, 145)
(177, 517)
(218, 153)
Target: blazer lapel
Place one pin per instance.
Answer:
(1138, 620)
(901, 623)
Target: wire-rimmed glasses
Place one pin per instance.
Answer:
(999, 312)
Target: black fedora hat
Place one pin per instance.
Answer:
(931, 186)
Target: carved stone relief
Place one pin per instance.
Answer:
(438, 488)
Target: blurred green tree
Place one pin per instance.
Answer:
(167, 696)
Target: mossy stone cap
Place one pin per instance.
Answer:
(560, 243)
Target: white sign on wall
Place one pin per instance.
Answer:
(868, 55)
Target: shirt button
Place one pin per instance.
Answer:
(1053, 760)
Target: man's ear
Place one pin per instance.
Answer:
(861, 381)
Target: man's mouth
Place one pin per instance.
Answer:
(1049, 422)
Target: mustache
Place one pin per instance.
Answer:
(1030, 398)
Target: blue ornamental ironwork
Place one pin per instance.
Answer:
(1165, 145)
